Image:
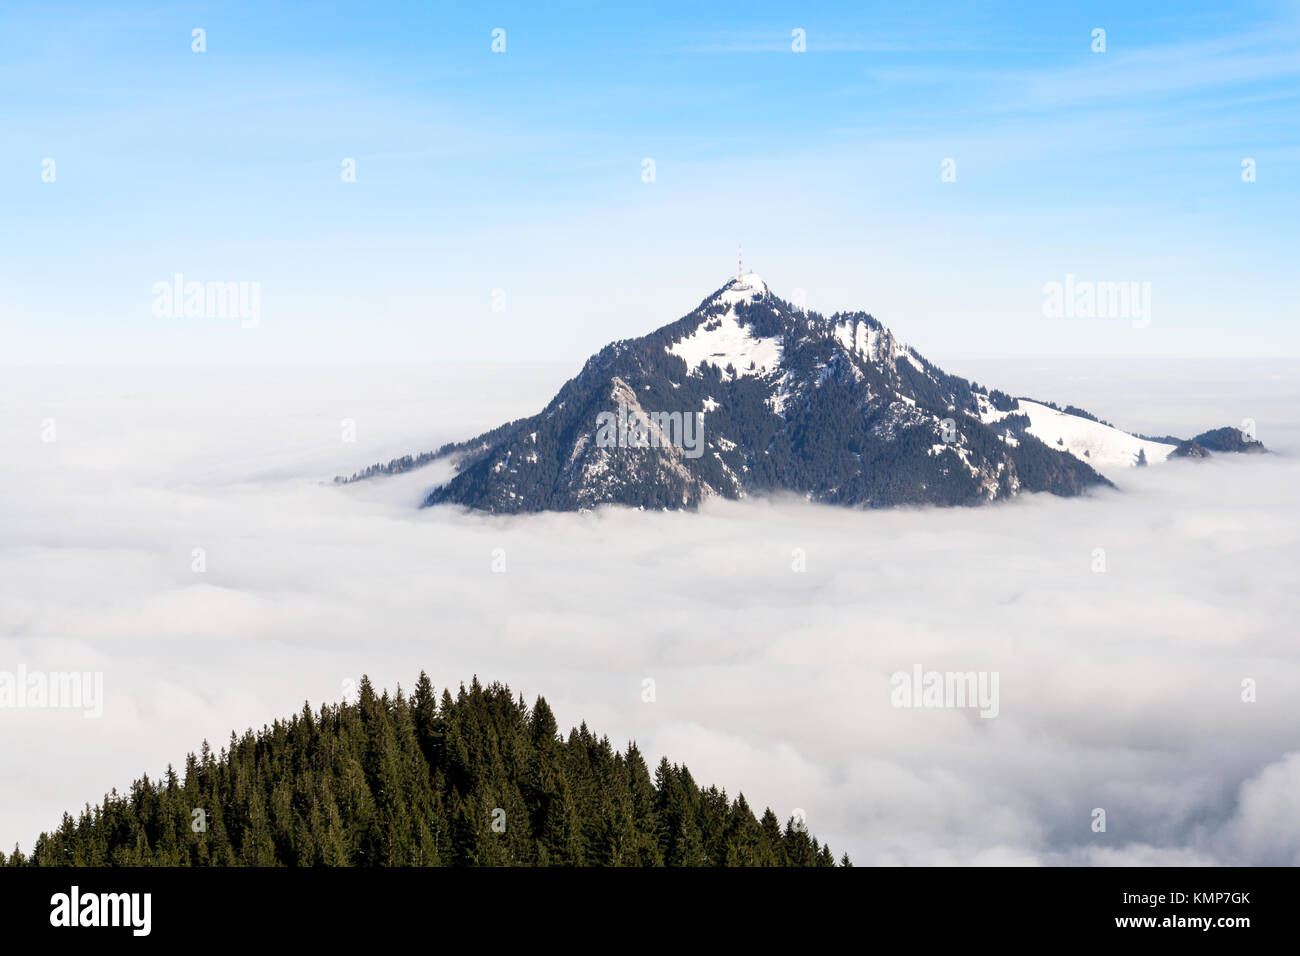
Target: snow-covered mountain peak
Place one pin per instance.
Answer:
(745, 288)
(834, 408)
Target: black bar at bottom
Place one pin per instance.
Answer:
(302, 906)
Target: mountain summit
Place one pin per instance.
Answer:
(749, 394)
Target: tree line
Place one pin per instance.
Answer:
(478, 779)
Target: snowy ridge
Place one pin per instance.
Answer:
(1105, 448)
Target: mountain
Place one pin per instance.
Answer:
(478, 779)
(748, 394)
(1217, 440)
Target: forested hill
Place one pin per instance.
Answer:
(478, 779)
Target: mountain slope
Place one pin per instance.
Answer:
(747, 394)
(1104, 447)
(478, 779)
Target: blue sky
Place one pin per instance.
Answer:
(522, 172)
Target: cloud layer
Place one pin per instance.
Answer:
(1119, 690)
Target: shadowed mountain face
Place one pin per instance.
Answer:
(748, 394)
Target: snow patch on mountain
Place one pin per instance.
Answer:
(1103, 447)
(987, 413)
(858, 338)
(723, 341)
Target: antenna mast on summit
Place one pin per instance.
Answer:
(740, 267)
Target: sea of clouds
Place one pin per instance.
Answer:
(1119, 690)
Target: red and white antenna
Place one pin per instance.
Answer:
(740, 261)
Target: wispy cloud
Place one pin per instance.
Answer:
(1161, 71)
